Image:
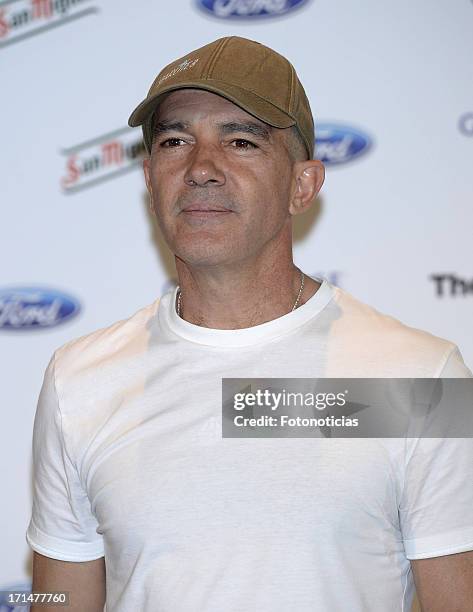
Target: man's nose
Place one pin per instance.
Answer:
(204, 168)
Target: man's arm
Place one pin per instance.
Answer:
(445, 583)
(85, 582)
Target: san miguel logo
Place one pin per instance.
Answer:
(20, 19)
(95, 161)
(248, 8)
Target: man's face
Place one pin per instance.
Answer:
(220, 180)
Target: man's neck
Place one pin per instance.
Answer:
(234, 300)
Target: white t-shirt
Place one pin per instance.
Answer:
(130, 463)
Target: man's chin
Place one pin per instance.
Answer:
(206, 258)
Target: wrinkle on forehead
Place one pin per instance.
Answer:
(209, 106)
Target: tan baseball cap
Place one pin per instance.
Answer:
(252, 76)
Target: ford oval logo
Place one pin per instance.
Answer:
(29, 308)
(339, 144)
(249, 8)
(8, 597)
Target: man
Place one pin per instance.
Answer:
(137, 496)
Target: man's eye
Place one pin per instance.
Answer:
(241, 143)
(171, 142)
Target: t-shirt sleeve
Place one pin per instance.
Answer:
(62, 525)
(454, 366)
(436, 509)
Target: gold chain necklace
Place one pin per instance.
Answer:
(296, 303)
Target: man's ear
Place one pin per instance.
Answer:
(309, 177)
(146, 164)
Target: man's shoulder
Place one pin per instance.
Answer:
(367, 331)
(111, 343)
(362, 318)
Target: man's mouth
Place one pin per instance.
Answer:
(205, 211)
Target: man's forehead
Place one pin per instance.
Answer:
(195, 104)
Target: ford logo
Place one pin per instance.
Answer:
(9, 594)
(25, 308)
(249, 8)
(466, 124)
(339, 144)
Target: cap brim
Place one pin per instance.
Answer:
(246, 100)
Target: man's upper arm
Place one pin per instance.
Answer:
(85, 582)
(437, 515)
(62, 525)
(445, 583)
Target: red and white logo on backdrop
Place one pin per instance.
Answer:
(21, 19)
(100, 159)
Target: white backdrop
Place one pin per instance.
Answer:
(391, 89)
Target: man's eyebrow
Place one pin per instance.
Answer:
(170, 126)
(248, 127)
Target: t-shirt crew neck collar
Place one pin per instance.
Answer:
(247, 336)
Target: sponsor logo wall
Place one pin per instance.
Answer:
(225, 9)
(100, 159)
(452, 285)
(465, 124)
(21, 19)
(7, 597)
(80, 251)
(339, 144)
(34, 308)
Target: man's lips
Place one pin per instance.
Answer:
(199, 214)
(204, 208)
(193, 208)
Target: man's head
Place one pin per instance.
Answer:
(224, 180)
